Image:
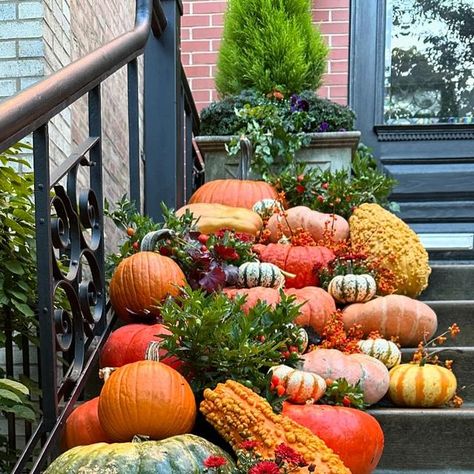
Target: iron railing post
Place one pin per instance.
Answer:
(163, 121)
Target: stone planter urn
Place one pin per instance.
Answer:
(328, 150)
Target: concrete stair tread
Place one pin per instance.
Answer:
(450, 282)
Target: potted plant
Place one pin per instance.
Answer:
(271, 60)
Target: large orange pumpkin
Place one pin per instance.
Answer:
(303, 262)
(316, 223)
(142, 281)
(83, 426)
(353, 434)
(234, 192)
(146, 398)
(317, 305)
(394, 316)
(129, 344)
(355, 368)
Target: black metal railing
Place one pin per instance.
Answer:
(69, 220)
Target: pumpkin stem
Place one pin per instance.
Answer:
(152, 238)
(140, 438)
(287, 274)
(106, 372)
(153, 351)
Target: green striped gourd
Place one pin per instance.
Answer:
(252, 274)
(300, 387)
(352, 288)
(183, 454)
(385, 351)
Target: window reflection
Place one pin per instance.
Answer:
(429, 62)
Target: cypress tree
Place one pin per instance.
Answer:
(268, 45)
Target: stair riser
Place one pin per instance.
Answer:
(460, 312)
(463, 368)
(427, 440)
(450, 282)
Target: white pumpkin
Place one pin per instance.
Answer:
(352, 288)
(266, 207)
(300, 387)
(253, 274)
(385, 351)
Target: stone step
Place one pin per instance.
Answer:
(450, 282)
(463, 368)
(455, 311)
(422, 471)
(426, 440)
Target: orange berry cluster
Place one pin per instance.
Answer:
(335, 335)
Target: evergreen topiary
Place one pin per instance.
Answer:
(270, 45)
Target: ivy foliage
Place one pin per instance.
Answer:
(270, 45)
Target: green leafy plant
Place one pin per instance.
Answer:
(334, 191)
(270, 45)
(14, 399)
(17, 246)
(341, 392)
(217, 340)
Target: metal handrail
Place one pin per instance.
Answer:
(34, 106)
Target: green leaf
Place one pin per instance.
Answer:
(21, 411)
(23, 308)
(14, 267)
(13, 385)
(9, 395)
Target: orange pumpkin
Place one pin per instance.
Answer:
(140, 282)
(83, 426)
(146, 398)
(129, 344)
(301, 261)
(317, 304)
(234, 192)
(314, 222)
(413, 385)
(355, 368)
(394, 316)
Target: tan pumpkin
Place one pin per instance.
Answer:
(214, 217)
(385, 351)
(412, 385)
(234, 192)
(352, 288)
(314, 222)
(300, 386)
(393, 316)
(140, 282)
(317, 305)
(355, 368)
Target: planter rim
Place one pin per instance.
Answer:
(318, 140)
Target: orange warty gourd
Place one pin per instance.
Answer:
(353, 434)
(333, 364)
(239, 414)
(318, 305)
(394, 316)
(412, 385)
(140, 282)
(301, 261)
(316, 223)
(83, 426)
(129, 343)
(146, 398)
(234, 192)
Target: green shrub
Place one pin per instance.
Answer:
(270, 45)
(220, 118)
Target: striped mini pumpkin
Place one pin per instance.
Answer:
(352, 288)
(266, 207)
(300, 387)
(385, 351)
(252, 274)
(413, 385)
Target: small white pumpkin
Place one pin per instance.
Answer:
(300, 387)
(253, 274)
(385, 351)
(352, 288)
(266, 207)
(304, 339)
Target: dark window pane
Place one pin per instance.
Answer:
(429, 62)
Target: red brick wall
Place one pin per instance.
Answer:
(201, 32)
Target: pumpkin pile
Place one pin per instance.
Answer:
(284, 322)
